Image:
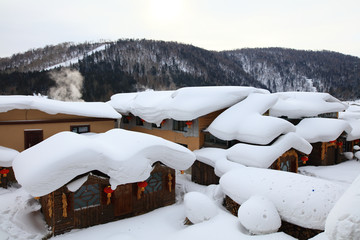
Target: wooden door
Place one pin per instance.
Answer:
(123, 199)
(32, 137)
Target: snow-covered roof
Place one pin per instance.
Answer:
(355, 132)
(87, 109)
(251, 155)
(353, 112)
(7, 156)
(301, 200)
(183, 104)
(124, 156)
(246, 123)
(322, 129)
(305, 104)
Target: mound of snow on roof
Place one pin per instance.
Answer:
(242, 154)
(246, 123)
(343, 222)
(87, 109)
(305, 104)
(7, 156)
(301, 200)
(259, 215)
(124, 156)
(198, 207)
(322, 129)
(355, 132)
(183, 104)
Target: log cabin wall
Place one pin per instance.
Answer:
(88, 206)
(203, 174)
(287, 162)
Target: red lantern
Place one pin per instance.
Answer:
(189, 123)
(334, 141)
(142, 120)
(356, 141)
(108, 192)
(142, 185)
(162, 122)
(4, 171)
(304, 159)
(182, 171)
(339, 144)
(128, 118)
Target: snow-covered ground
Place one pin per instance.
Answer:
(163, 223)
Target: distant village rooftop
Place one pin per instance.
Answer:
(124, 156)
(87, 109)
(183, 104)
(305, 104)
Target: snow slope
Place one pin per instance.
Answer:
(7, 156)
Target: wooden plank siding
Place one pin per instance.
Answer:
(124, 202)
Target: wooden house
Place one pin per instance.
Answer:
(27, 120)
(327, 139)
(94, 202)
(244, 130)
(100, 178)
(180, 116)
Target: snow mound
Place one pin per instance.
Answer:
(87, 109)
(246, 123)
(7, 156)
(322, 129)
(355, 132)
(348, 155)
(124, 156)
(198, 207)
(259, 215)
(305, 104)
(343, 222)
(301, 200)
(183, 104)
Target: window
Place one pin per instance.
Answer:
(179, 126)
(139, 121)
(80, 129)
(126, 119)
(87, 196)
(154, 183)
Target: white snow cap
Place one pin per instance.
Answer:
(251, 155)
(259, 215)
(124, 156)
(198, 207)
(353, 112)
(355, 132)
(301, 200)
(87, 109)
(183, 104)
(246, 123)
(322, 129)
(343, 222)
(7, 156)
(305, 104)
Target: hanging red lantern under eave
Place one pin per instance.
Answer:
(334, 141)
(142, 185)
(108, 192)
(339, 144)
(4, 172)
(128, 118)
(189, 123)
(304, 159)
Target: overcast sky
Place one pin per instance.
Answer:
(211, 24)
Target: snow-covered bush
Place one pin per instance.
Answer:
(198, 207)
(259, 215)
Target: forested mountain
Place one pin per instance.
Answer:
(130, 65)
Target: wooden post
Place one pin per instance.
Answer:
(170, 181)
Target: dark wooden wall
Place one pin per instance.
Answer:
(10, 178)
(124, 202)
(203, 174)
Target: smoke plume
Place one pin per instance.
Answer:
(68, 85)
